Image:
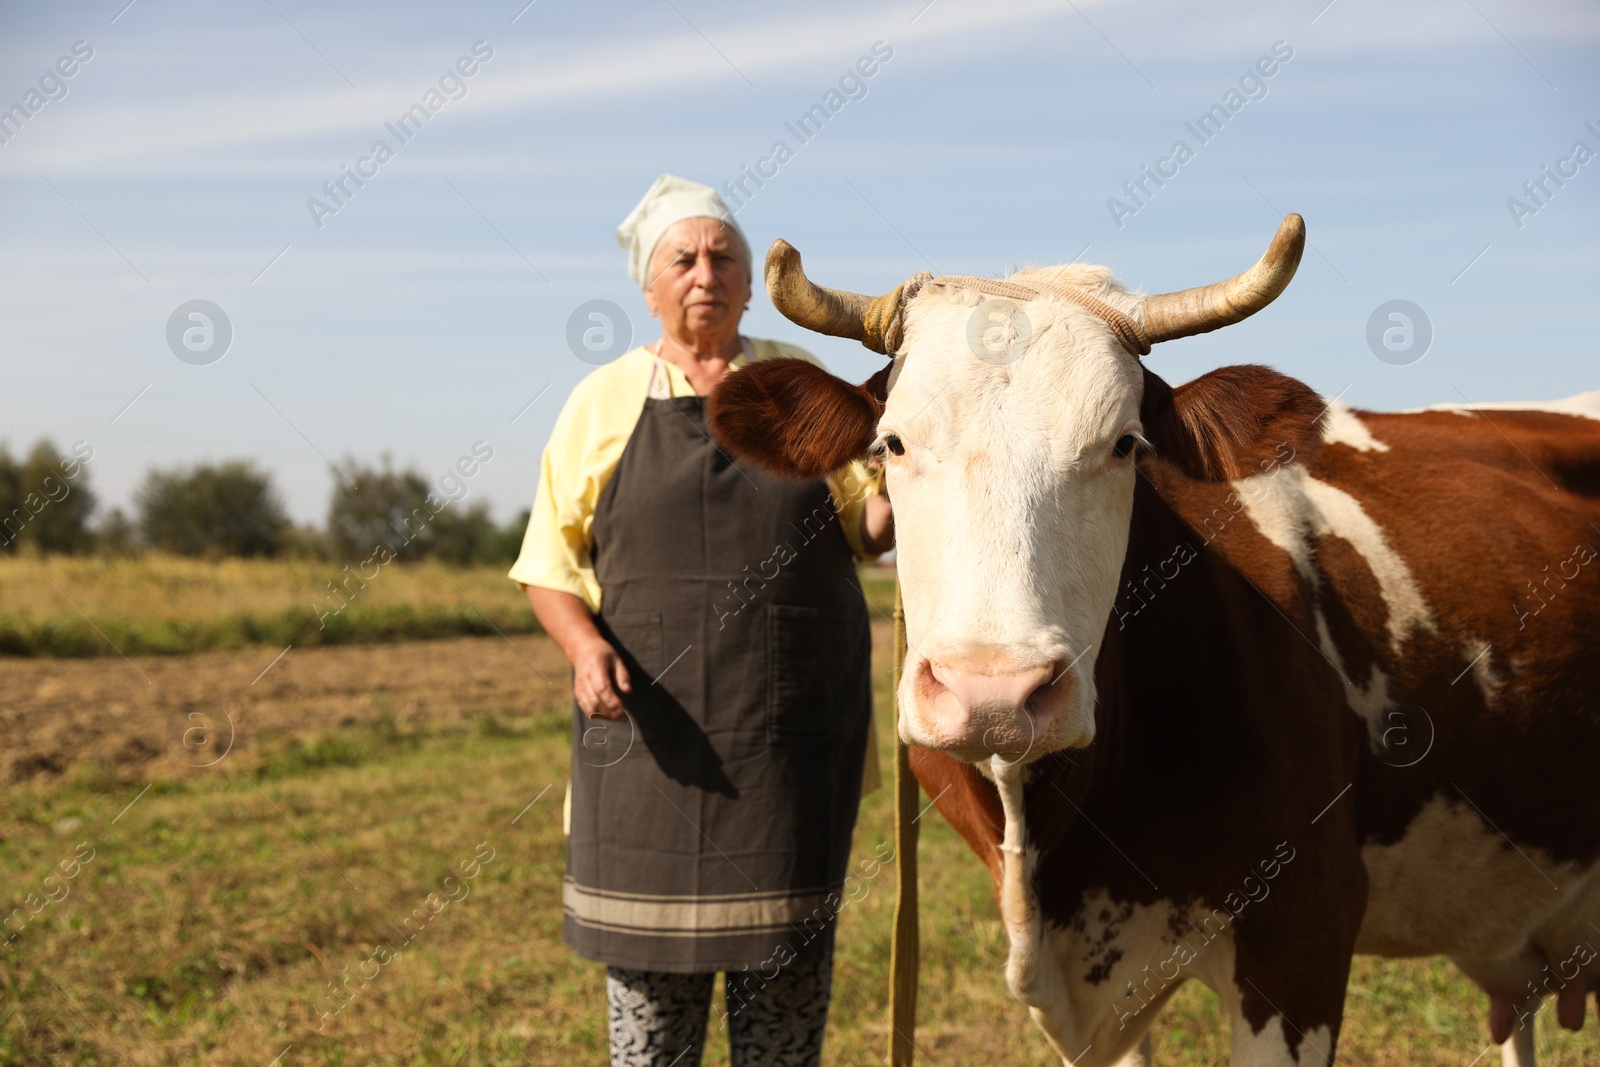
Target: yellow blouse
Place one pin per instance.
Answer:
(586, 445)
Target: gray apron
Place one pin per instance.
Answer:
(711, 831)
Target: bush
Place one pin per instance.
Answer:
(117, 536)
(227, 510)
(399, 509)
(45, 500)
(373, 507)
(305, 542)
(506, 544)
(460, 536)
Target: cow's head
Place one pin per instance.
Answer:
(1010, 424)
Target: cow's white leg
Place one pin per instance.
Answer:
(1518, 1050)
(1516, 1018)
(1270, 1047)
(1139, 1057)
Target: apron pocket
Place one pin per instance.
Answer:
(813, 664)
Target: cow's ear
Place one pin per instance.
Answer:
(794, 419)
(1233, 422)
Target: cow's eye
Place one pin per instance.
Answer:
(894, 444)
(1126, 445)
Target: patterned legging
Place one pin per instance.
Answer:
(658, 1019)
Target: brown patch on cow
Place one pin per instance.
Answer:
(1232, 422)
(968, 800)
(793, 419)
(1467, 504)
(1357, 611)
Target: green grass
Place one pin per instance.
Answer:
(218, 906)
(166, 606)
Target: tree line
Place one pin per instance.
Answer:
(232, 508)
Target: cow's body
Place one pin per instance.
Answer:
(1223, 682)
(1304, 749)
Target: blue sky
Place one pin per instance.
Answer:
(432, 307)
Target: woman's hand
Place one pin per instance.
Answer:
(598, 679)
(877, 525)
(599, 676)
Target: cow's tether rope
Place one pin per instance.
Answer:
(903, 951)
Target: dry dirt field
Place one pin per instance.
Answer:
(258, 824)
(145, 719)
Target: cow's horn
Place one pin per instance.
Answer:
(1168, 316)
(836, 312)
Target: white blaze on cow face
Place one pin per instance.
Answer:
(1011, 516)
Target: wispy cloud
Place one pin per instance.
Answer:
(183, 123)
(170, 125)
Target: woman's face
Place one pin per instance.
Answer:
(699, 281)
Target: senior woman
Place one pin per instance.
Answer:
(720, 655)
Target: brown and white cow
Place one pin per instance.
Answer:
(1223, 681)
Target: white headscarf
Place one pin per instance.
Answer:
(670, 200)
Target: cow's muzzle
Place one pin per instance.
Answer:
(979, 705)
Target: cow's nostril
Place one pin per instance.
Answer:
(981, 703)
(1050, 698)
(991, 689)
(927, 681)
